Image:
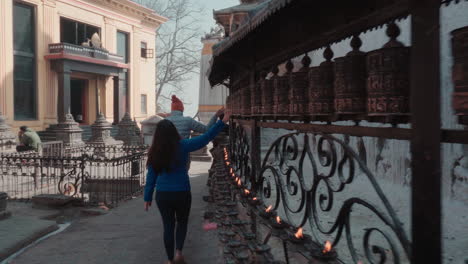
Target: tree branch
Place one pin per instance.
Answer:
(178, 44)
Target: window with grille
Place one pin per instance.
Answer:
(123, 46)
(143, 49)
(24, 72)
(145, 52)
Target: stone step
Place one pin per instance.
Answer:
(48, 135)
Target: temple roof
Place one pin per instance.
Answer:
(232, 18)
(243, 7)
(283, 29)
(258, 15)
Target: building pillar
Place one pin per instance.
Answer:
(67, 130)
(98, 98)
(48, 78)
(6, 55)
(63, 100)
(121, 103)
(209, 100)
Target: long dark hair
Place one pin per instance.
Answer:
(162, 152)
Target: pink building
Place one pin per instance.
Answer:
(76, 56)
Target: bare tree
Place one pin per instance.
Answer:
(178, 40)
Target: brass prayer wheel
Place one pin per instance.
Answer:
(229, 104)
(298, 101)
(245, 96)
(256, 95)
(350, 81)
(321, 81)
(236, 102)
(280, 94)
(388, 77)
(460, 74)
(267, 95)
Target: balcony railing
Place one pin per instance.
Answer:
(90, 52)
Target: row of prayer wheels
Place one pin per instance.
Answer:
(460, 73)
(359, 84)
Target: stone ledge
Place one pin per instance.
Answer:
(93, 212)
(44, 201)
(19, 232)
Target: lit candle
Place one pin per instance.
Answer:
(327, 248)
(299, 234)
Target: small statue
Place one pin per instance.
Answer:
(96, 40)
(87, 43)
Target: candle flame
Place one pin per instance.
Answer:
(299, 234)
(231, 171)
(239, 183)
(255, 198)
(246, 191)
(327, 248)
(278, 220)
(269, 209)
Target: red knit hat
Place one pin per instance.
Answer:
(177, 104)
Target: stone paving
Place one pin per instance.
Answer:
(128, 234)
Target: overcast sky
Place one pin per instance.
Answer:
(207, 21)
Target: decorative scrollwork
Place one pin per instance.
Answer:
(302, 175)
(240, 153)
(70, 183)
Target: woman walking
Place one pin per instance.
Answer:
(167, 170)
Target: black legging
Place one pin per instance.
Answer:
(174, 207)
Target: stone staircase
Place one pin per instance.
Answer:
(49, 135)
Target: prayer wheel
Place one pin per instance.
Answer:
(460, 73)
(388, 77)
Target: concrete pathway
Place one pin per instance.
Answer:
(128, 234)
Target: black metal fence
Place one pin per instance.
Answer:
(318, 184)
(95, 174)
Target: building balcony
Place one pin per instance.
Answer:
(85, 54)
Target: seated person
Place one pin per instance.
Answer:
(29, 139)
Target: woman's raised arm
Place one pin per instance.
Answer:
(199, 142)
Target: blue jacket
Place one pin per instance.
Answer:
(185, 124)
(178, 179)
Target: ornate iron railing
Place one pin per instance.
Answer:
(91, 173)
(301, 177)
(240, 153)
(311, 175)
(277, 79)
